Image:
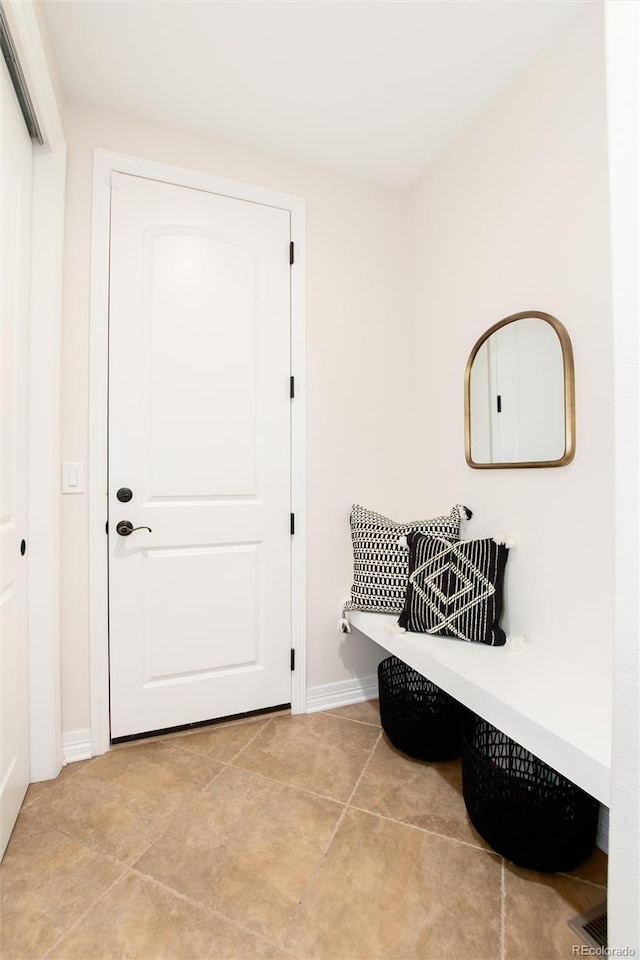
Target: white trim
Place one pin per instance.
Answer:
(298, 463)
(106, 163)
(76, 746)
(97, 459)
(622, 51)
(25, 33)
(43, 534)
(329, 696)
(602, 837)
(43, 528)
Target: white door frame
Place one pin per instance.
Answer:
(45, 334)
(43, 498)
(106, 163)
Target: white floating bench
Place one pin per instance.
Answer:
(558, 711)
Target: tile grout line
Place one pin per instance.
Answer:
(432, 833)
(125, 863)
(364, 769)
(85, 912)
(196, 753)
(323, 796)
(323, 855)
(168, 738)
(366, 723)
(129, 868)
(373, 813)
(589, 883)
(227, 764)
(83, 843)
(180, 812)
(289, 786)
(54, 782)
(503, 907)
(220, 765)
(223, 764)
(231, 762)
(249, 742)
(217, 914)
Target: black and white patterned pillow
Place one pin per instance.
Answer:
(381, 564)
(455, 589)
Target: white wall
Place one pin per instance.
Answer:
(623, 82)
(514, 217)
(356, 339)
(51, 65)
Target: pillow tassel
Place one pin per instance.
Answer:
(508, 542)
(516, 644)
(394, 628)
(343, 624)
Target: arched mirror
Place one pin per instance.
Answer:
(519, 395)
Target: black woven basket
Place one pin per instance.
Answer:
(525, 810)
(417, 716)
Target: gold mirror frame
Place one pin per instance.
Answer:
(569, 395)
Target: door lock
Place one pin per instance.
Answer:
(125, 528)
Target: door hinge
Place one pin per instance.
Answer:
(291, 253)
(293, 659)
(292, 387)
(106, 527)
(293, 524)
(499, 403)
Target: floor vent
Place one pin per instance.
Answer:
(592, 926)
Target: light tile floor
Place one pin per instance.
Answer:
(302, 837)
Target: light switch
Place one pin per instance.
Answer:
(73, 477)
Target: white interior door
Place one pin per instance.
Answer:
(199, 432)
(15, 216)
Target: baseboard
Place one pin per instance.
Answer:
(76, 745)
(328, 696)
(602, 837)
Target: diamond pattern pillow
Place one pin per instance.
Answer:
(381, 564)
(455, 589)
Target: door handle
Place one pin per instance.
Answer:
(125, 528)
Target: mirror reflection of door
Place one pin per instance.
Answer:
(517, 395)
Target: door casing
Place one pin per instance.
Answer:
(43, 494)
(105, 164)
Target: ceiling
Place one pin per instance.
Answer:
(372, 89)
